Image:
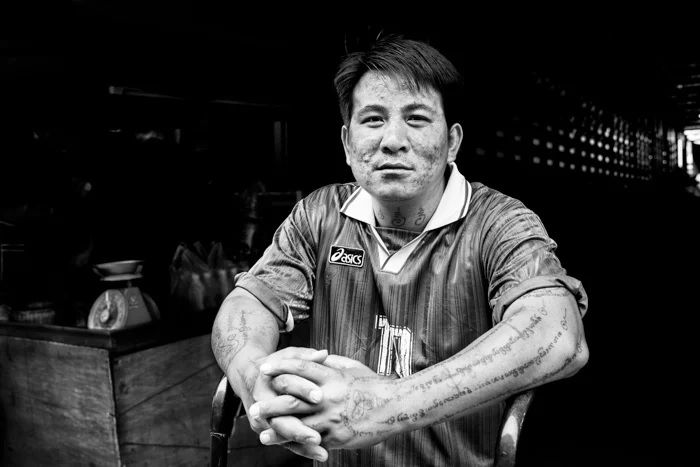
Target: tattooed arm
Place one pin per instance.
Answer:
(244, 336)
(540, 339)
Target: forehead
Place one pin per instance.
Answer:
(392, 92)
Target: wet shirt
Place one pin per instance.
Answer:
(400, 302)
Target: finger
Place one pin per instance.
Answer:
(294, 430)
(318, 422)
(307, 450)
(297, 386)
(341, 363)
(312, 371)
(303, 353)
(281, 405)
(270, 437)
(258, 425)
(263, 389)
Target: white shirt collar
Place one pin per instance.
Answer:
(453, 204)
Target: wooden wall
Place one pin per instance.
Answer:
(163, 399)
(57, 405)
(72, 405)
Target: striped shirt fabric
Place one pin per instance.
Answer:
(400, 302)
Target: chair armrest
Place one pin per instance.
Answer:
(513, 418)
(225, 407)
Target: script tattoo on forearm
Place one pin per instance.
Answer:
(454, 379)
(502, 350)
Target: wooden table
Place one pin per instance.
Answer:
(71, 396)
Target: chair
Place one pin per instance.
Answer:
(226, 407)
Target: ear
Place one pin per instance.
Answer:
(344, 135)
(455, 141)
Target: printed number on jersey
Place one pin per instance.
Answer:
(396, 348)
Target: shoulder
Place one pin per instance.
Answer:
(325, 203)
(498, 215)
(329, 196)
(487, 201)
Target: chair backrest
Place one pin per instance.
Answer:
(226, 406)
(511, 427)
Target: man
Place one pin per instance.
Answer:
(432, 298)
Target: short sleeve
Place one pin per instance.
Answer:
(283, 278)
(519, 257)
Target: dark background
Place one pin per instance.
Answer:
(633, 242)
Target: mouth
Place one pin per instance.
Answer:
(393, 166)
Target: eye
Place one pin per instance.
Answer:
(372, 119)
(417, 119)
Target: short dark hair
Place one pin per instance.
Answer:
(420, 64)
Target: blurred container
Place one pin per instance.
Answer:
(35, 313)
(116, 268)
(201, 278)
(5, 312)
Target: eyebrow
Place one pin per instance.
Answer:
(371, 108)
(417, 106)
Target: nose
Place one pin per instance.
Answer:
(394, 139)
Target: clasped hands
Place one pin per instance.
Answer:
(300, 400)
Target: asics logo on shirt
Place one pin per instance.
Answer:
(346, 256)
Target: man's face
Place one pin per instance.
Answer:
(397, 142)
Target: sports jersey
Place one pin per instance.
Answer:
(402, 308)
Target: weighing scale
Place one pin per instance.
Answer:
(122, 304)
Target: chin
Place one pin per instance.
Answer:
(391, 195)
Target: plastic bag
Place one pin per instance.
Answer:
(201, 276)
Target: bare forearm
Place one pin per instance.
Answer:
(541, 340)
(245, 336)
(244, 331)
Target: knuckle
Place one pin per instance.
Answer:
(330, 441)
(256, 427)
(316, 427)
(302, 364)
(275, 425)
(336, 418)
(281, 383)
(292, 402)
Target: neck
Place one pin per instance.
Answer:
(408, 214)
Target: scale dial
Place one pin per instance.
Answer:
(109, 311)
